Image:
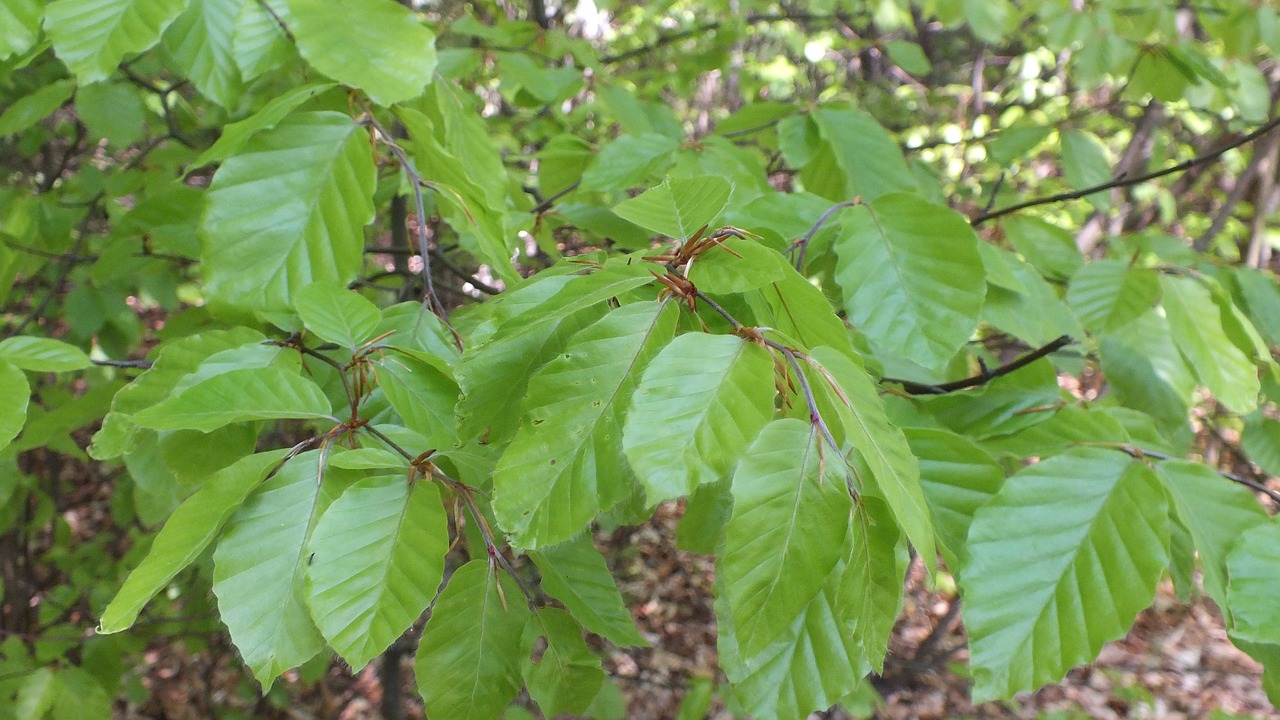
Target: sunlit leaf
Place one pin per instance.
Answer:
(42, 354)
(678, 207)
(568, 675)
(575, 573)
(266, 393)
(92, 36)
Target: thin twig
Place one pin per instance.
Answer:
(131, 364)
(803, 243)
(984, 377)
(82, 237)
(545, 205)
(1135, 180)
(1139, 453)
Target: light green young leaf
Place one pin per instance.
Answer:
(263, 393)
(15, 394)
(575, 573)
(1216, 512)
(531, 327)
(1144, 369)
(377, 558)
(1198, 332)
(378, 47)
(790, 522)
(469, 659)
(912, 277)
(200, 43)
(895, 474)
(1252, 566)
(19, 26)
(236, 134)
(742, 264)
(259, 570)
(1099, 526)
(33, 108)
(957, 477)
(565, 464)
(35, 695)
(1108, 294)
(701, 401)
(368, 458)
(421, 393)
(91, 37)
(1261, 440)
(42, 354)
(568, 676)
(336, 314)
(629, 161)
(259, 42)
(289, 210)
(679, 206)
(858, 158)
(185, 535)
(1085, 163)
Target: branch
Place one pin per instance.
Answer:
(1139, 453)
(803, 243)
(1129, 181)
(131, 364)
(545, 205)
(985, 376)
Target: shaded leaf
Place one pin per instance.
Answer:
(1252, 566)
(957, 477)
(568, 676)
(575, 573)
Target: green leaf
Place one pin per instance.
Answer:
(260, 40)
(19, 26)
(259, 570)
(791, 516)
(1145, 371)
(116, 111)
(91, 37)
(701, 401)
(565, 464)
(1085, 163)
(957, 477)
(421, 393)
(468, 663)
(200, 43)
(1198, 332)
(377, 558)
(185, 535)
(42, 354)
(15, 393)
(1216, 511)
(368, 458)
(1060, 562)
(740, 265)
(1049, 248)
(568, 676)
(574, 573)
(288, 211)
(264, 393)
(535, 321)
(235, 135)
(859, 159)
(629, 161)
(379, 47)
(909, 56)
(679, 206)
(1253, 566)
(1261, 440)
(33, 108)
(912, 277)
(1108, 294)
(895, 474)
(337, 314)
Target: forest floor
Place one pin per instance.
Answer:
(1176, 662)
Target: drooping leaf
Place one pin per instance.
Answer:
(575, 573)
(790, 522)
(568, 676)
(700, 402)
(92, 36)
(287, 211)
(1215, 512)
(15, 393)
(895, 473)
(1252, 566)
(185, 535)
(677, 207)
(1108, 294)
(42, 354)
(259, 570)
(377, 557)
(378, 47)
(263, 393)
(33, 108)
(468, 662)
(200, 42)
(1060, 562)
(421, 393)
(912, 278)
(1198, 332)
(337, 314)
(565, 464)
(957, 477)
